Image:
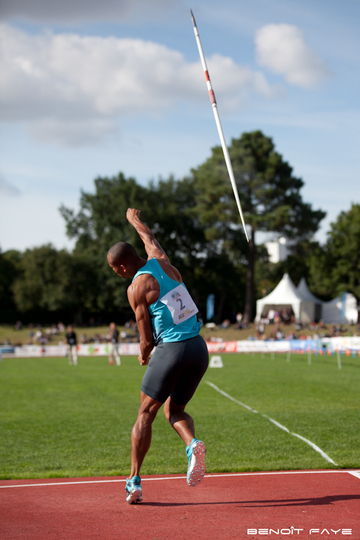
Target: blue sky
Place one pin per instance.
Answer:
(93, 88)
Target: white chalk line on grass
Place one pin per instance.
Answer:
(314, 446)
(161, 478)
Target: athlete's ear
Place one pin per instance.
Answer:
(122, 270)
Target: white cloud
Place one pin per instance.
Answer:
(72, 11)
(237, 84)
(70, 89)
(71, 134)
(8, 189)
(282, 49)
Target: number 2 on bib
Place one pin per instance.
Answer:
(180, 304)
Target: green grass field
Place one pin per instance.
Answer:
(58, 420)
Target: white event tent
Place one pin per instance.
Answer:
(341, 310)
(306, 306)
(305, 292)
(287, 296)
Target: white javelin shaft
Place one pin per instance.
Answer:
(218, 124)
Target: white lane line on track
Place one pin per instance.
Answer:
(277, 424)
(230, 397)
(161, 478)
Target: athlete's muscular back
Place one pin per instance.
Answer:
(146, 288)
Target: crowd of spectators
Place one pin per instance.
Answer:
(55, 334)
(274, 326)
(314, 330)
(283, 316)
(129, 335)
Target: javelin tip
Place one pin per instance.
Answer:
(193, 18)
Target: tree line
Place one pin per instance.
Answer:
(196, 221)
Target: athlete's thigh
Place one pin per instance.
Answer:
(163, 371)
(195, 364)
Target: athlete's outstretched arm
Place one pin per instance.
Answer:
(138, 302)
(152, 246)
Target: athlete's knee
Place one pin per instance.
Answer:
(167, 413)
(148, 409)
(147, 415)
(173, 411)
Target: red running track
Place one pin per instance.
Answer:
(299, 504)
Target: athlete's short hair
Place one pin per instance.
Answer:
(121, 253)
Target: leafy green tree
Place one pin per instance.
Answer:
(41, 284)
(98, 225)
(81, 286)
(55, 280)
(101, 221)
(335, 268)
(9, 271)
(270, 196)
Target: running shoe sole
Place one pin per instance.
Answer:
(196, 471)
(135, 496)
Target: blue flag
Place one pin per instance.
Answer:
(210, 303)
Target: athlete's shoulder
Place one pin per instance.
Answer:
(139, 283)
(139, 290)
(169, 269)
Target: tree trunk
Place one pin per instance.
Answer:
(79, 317)
(250, 280)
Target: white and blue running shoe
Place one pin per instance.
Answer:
(196, 456)
(134, 490)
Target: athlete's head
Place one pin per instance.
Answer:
(123, 258)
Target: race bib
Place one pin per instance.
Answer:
(180, 304)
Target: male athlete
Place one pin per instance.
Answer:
(114, 345)
(71, 341)
(166, 317)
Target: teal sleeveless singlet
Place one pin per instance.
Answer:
(173, 315)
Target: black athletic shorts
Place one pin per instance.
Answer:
(175, 370)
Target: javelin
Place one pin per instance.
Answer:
(218, 124)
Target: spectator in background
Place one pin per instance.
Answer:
(71, 346)
(239, 323)
(54, 330)
(114, 345)
(279, 334)
(61, 327)
(260, 329)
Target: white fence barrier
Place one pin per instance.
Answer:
(327, 345)
(91, 349)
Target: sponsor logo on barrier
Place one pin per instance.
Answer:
(224, 346)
